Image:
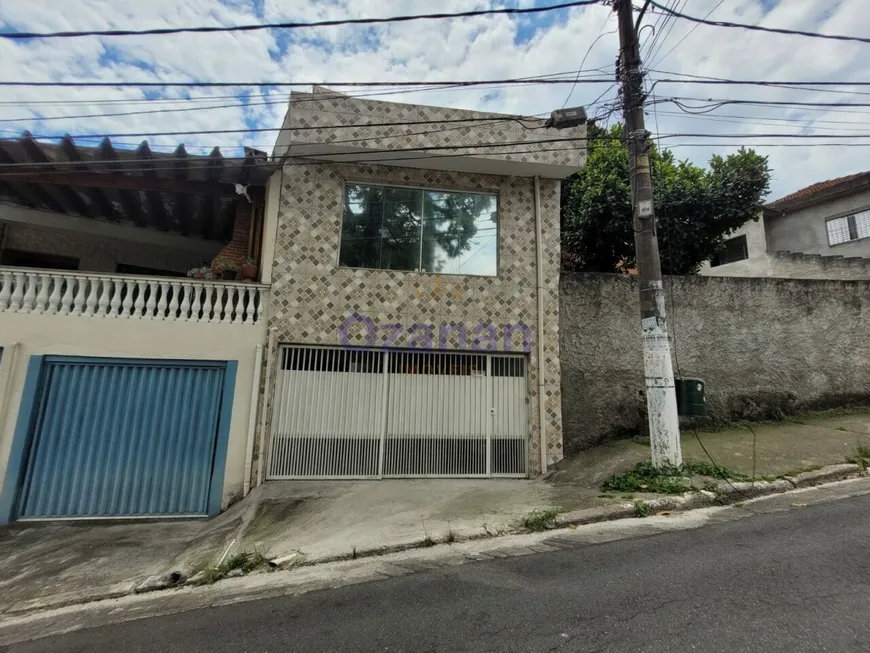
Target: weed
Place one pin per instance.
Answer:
(721, 497)
(642, 509)
(842, 428)
(643, 477)
(767, 478)
(451, 537)
(538, 521)
(801, 470)
(428, 541)
(244, 560)
(628, 497)
(862, 453)
(605, 496)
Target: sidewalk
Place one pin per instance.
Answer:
(48, 565)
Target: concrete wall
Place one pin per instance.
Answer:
(804, 230)
(313, 296)
(763, 346)
(97, 253)
(23, 335)
(758, 263)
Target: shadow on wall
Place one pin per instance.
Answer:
(766, 348)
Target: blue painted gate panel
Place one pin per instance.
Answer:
(114, 438)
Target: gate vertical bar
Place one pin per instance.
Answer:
(489, 415)
(384, 408)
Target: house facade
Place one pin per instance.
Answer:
(401, 319)
(414, 282)
(126, 384)
(819, 232)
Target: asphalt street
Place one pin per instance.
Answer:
(788, 581)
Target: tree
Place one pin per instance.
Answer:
(695, 208)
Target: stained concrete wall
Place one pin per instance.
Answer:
(764, 347)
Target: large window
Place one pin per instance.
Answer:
(733, 250)
(850, 227)
(421, 230)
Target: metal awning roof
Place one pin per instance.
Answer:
(193, 195)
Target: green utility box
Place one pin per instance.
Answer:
(691, 398)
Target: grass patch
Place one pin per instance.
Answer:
(643, 477)
(244, 560)
(862, 453)
(539, 521)
(642, 509)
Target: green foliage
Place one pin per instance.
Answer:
(538, 521)
(642, 509)
(244, 560)
(643, 477)
(695, 208)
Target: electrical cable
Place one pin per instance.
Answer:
(759, 28)
(680, 42)
(666, 33)
(18, 36)
(167, 164)
(223, 84)
(601, 34)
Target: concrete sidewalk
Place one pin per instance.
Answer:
(48, 565)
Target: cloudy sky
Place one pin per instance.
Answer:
(477, 48)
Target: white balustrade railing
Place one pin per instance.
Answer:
(56, 292)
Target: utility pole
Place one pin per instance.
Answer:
(661, 398)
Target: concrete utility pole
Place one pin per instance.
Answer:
(661, 398)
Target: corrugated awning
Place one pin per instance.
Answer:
(193, 195)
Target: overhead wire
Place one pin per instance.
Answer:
(680, 42)
(207, 29)
(759, 28)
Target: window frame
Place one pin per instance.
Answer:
(434, 189)
(713, 261)
(851, 226)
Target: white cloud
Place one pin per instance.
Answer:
(478, 48)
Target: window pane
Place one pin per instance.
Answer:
(460, 233)
(862, 224)
(838, 230)
(360, 230)
(400, 233)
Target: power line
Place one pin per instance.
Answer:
(759, 28)
(505, 82)
(680, 42)
(201, 163)
(681, 4)
(601, 34)
(296, 25)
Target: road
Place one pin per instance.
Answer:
(791, 581)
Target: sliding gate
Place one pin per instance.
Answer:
(373, 413)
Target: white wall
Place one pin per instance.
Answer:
(131, 338)
(758, 263)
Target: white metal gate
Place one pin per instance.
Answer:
(343, 413)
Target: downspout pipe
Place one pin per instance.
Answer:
(252, 419)
(539, 267)
(261, 460)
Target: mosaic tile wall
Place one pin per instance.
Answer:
(360, 123)
(312, 297)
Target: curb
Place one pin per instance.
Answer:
(734, 491)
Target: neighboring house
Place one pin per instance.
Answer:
(125, 385)
(411, 333)
(819, 232)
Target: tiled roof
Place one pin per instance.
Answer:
(813, 189)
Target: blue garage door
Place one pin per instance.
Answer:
(124, 438)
